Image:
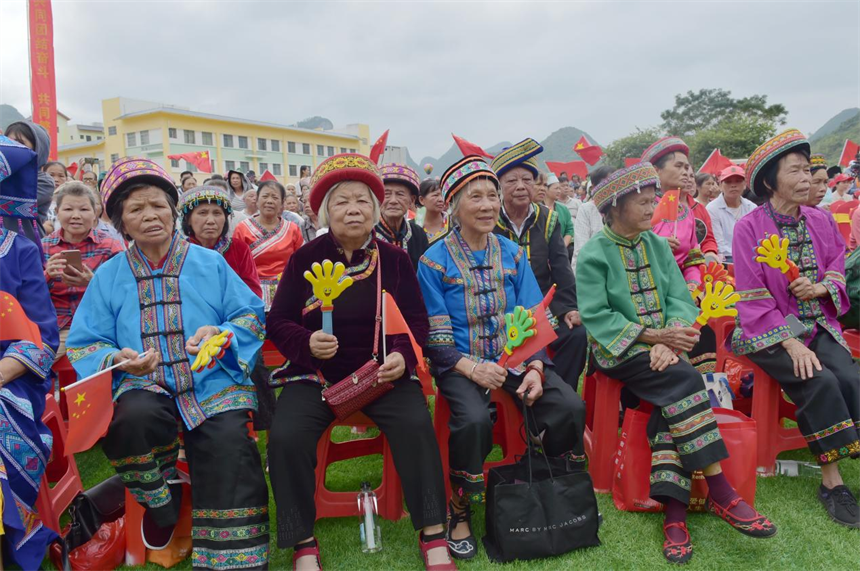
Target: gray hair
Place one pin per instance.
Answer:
(322, 215)
(74, 188)
(116, 217)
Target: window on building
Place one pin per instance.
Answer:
(111, 130)
(342, 150)
(171, 133)
(230, 165)
(291, 147)
(331, 151)
(244, 166)
(211, 165)
(277, 170)
(81, 137)
(352, 151)
(262, 144)
(207, 138)
(276, 146)
(243, 142)
(306, 148)
(189, 167)
(264, 167)
(174, 164)
(320, 151)
(89, 138)
(144, 138)
(131, 139)
(294, 170)
(114, 158)
(228, 140)
(190, 139)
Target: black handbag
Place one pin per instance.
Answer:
(103, 503)
(539, 507)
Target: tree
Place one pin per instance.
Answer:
(736, 136)
(704, 109)
(630, 146)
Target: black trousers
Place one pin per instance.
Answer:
(559, 414)
(301, 418)
(682, 430)
(229, 497)
(570, 352)
(265, 395)
(828, 404)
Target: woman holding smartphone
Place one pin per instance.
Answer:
(74, 251)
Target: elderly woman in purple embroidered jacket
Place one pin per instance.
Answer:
(811, 360)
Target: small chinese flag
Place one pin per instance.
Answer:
(589, 153)
(849, 151)
(715, 163)
(544, 334)
(90, 411)
(72, 169)
(378, 148)
(14, 323)
(468, 148)
(267, 176)
(571, 168)
(395, 325)
(667, 209)
(199, 159)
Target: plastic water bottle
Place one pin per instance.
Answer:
(371, 533)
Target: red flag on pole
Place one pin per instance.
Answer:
(589, 153)
(544, 335)
(90, 404)
(715, 163)
(395, 325)
(849, 152)
(378, 148)
(72, 169)
(630, 161)
(43, 84)
(199, 159)
(468, 148)
(573, 167)
(667, 209)
(14, 323)
(267, 176)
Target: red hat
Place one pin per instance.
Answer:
(730, 172)
(342, 168)
(841, 177)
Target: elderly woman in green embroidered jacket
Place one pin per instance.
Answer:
(638, 312)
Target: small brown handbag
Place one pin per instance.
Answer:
(361, 388)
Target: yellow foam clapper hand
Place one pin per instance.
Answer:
(326, 281)
(773, 252)
(211, 350)
(520, 325)
(718, 301)
(714, 272)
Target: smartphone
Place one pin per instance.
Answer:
(73, 258)
(797, 328)
(91, 161)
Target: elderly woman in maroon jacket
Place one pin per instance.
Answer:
(346, 192)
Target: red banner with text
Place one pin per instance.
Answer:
(43, 87)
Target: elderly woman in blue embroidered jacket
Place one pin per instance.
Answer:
(470, 279)
(150, 309)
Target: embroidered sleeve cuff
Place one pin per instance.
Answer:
(37, 360)
(625, 339)
(678, 322)
(834, 282)
(694, 258)
(743, 345)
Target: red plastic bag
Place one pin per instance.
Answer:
(631, 483)
(105, 551)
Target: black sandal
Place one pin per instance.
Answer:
(467, 547)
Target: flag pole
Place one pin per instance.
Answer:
(383, 327)
(111, 368)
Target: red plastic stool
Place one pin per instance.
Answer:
(271, 356)
(61, 471)
(135, 550)
(852, 337)
(506, 432)
(602, 405)
(342, 504)
(66, 375)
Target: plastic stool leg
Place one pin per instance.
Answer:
(604, 435)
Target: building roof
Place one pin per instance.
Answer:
(81, 145)
(187, 113)
(96, 127)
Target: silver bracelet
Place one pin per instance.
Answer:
(472, 372)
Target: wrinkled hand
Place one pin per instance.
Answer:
(679, 338)
(520, 325)
(802, 288)
(802, 357)
(773, 252)
(137, 364)
(393, 367)
(674, 243)
(326, 280)
(489, 376)
(209, 344)
(78, 278)
(530, 389)
(717, 302)
(662, 357)
(55, 266)
(572, 319)
(323, 346)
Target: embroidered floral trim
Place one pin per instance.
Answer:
(77, 353)
(237, 533)
(692, 424)
(835, 454)
(756, 294)
(218, 559)
(152, 498)
(666, 457)
(233, 397)
(830, 431)
(37, 360)
(471, 478)
(281, 381)
(662, 438)
(441, 332)
(743, 346)
(677, 408)
(670, 477)
(250, 322)
(166, 450)
(233, 513)
(699, 443)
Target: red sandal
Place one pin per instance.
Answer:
(426, 547)
(756, 526)
(677, 552)
(306, 551)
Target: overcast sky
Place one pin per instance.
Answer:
(486, 71)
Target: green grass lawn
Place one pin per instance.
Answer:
(807, 539)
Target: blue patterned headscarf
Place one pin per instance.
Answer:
(19, 174)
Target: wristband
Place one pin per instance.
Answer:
(472, 372)
(537, 370)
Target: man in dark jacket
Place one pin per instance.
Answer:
(401, 192)
(535, 228)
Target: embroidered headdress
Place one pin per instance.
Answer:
(520, 155)
(404, 174)
(204, 194)
(817, 162)
(663, 147)
(772, 150)
(128, 171)
(623, 182)
(458, 175)
(342, 168)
